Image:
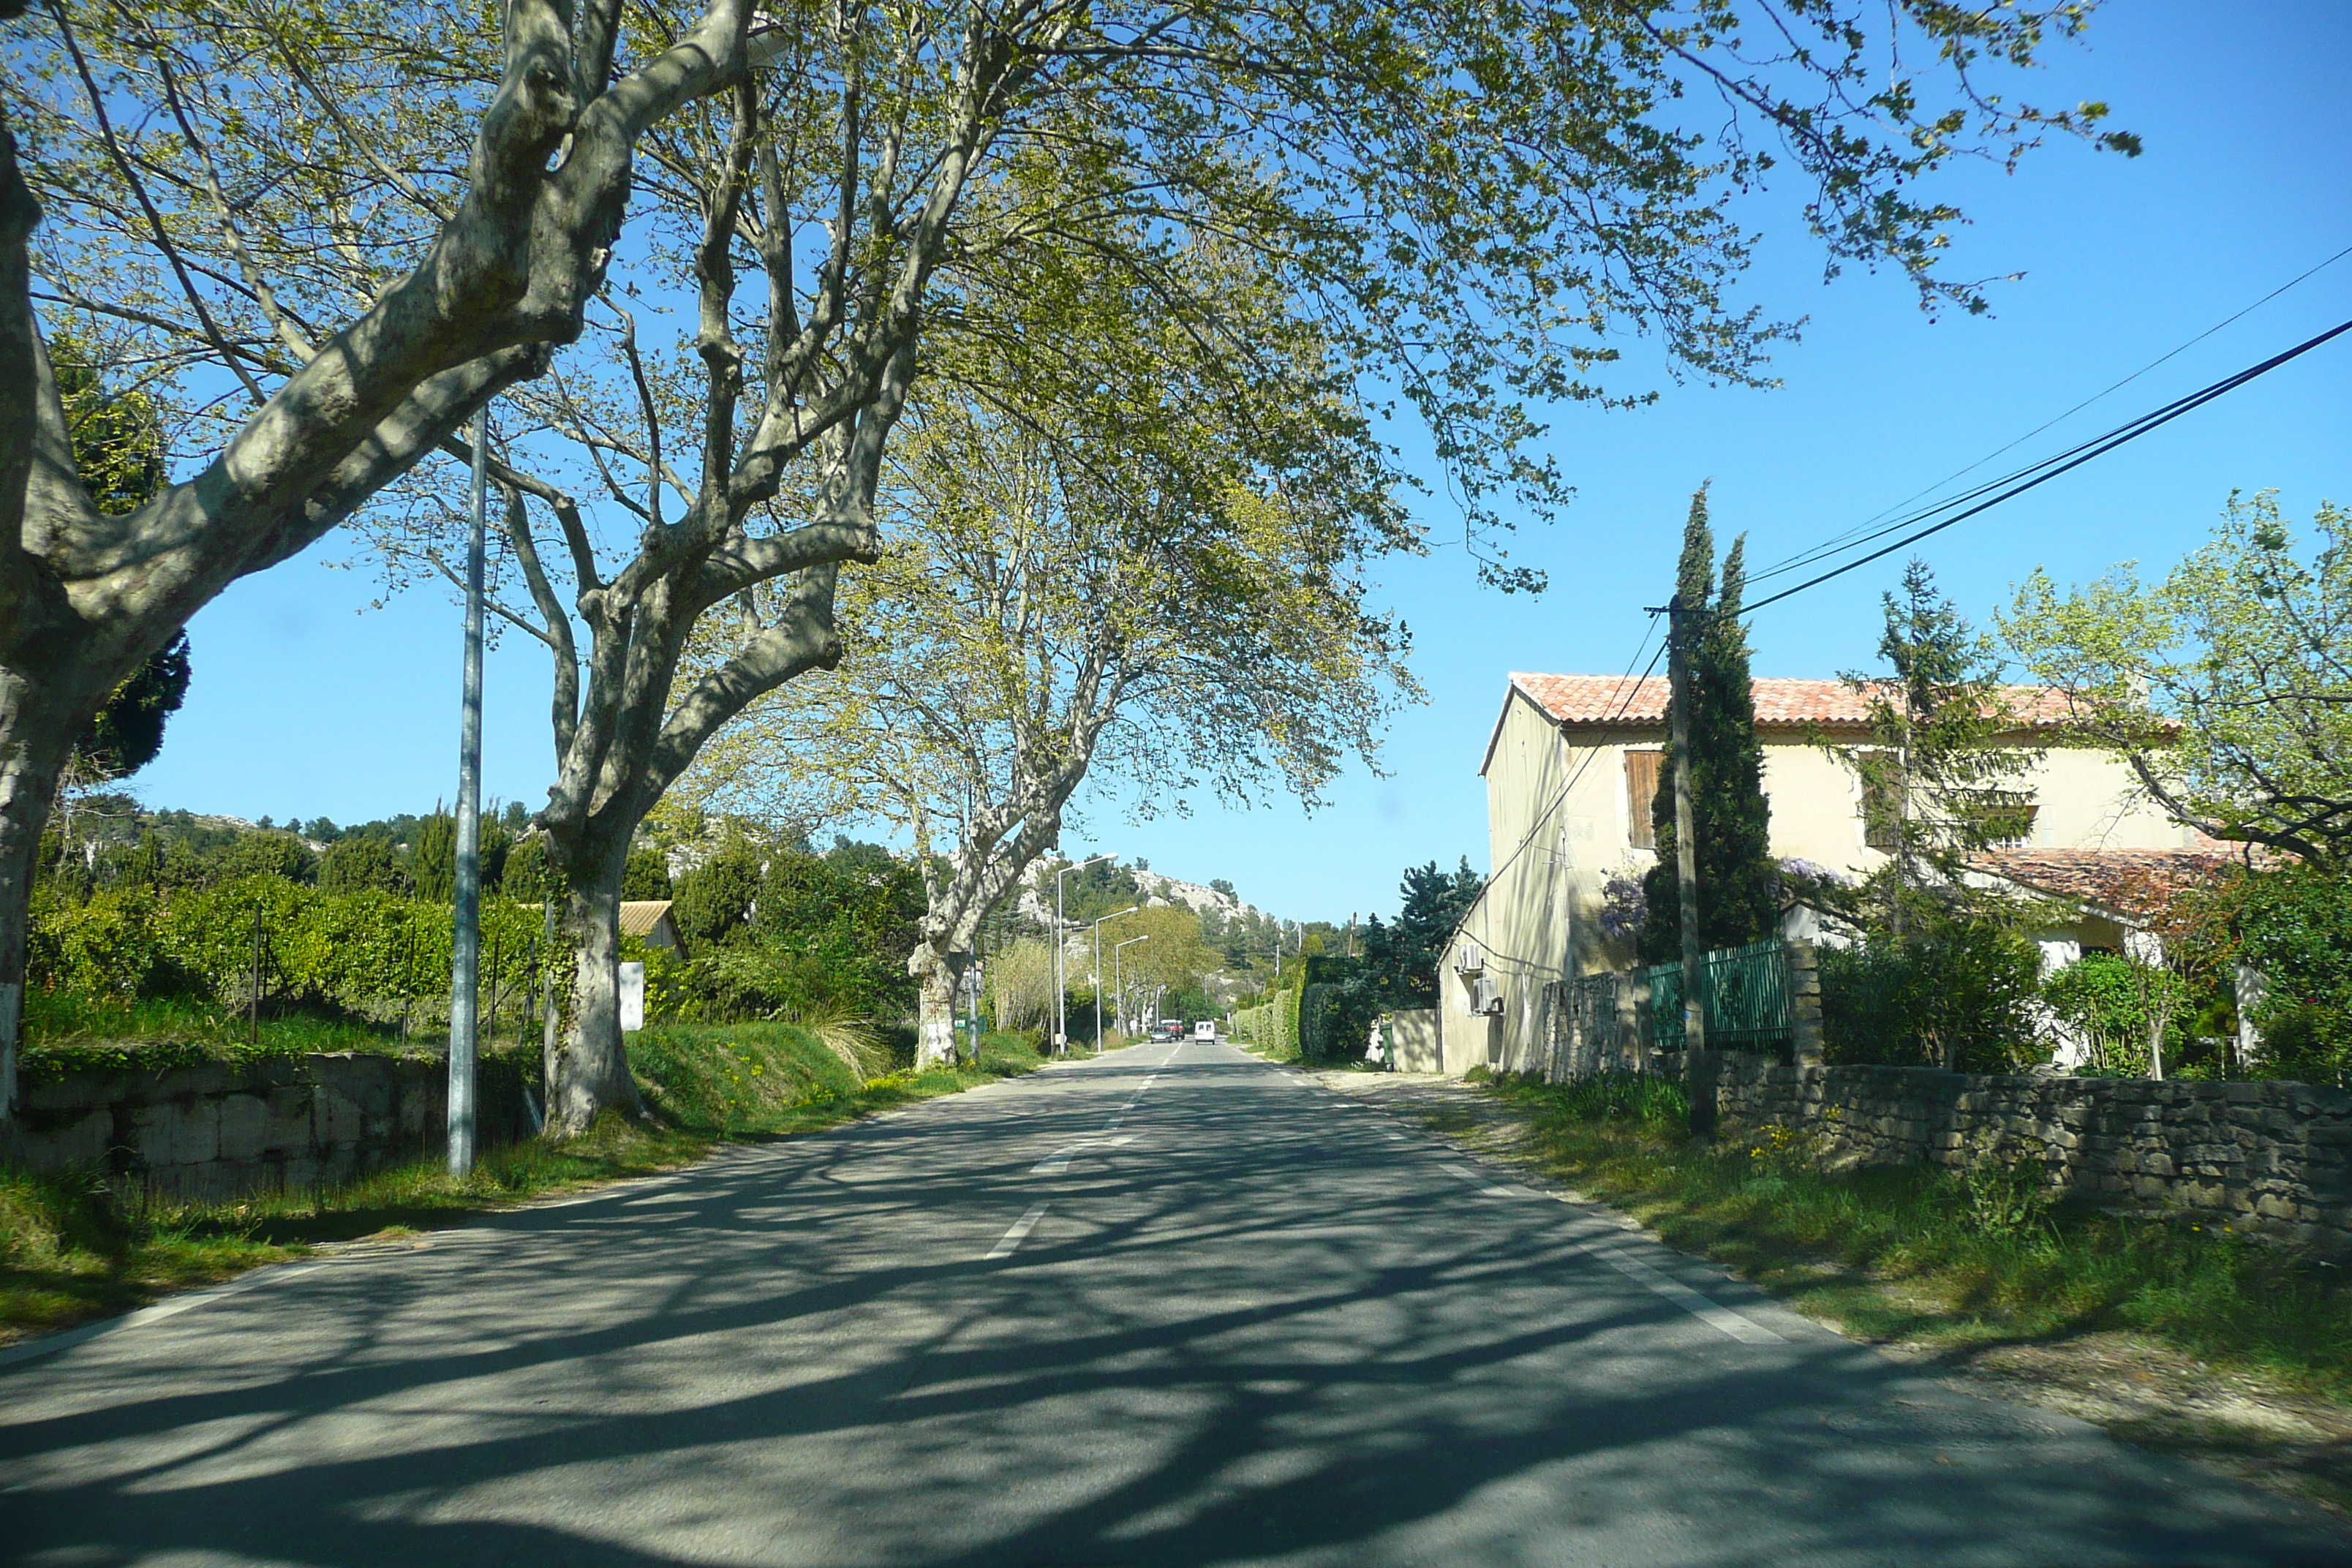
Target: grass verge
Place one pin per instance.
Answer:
(2177, 1335)
(1921, 1254)
(72, 1249)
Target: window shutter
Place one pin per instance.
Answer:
(1641, 792)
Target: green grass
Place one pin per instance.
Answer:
(66, 1031)
(72, 1249)
(776, 1079)
(1922, 1255)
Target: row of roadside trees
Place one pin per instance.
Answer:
(769, 295)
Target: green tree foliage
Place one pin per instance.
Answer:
(363, 863)
(1738, 885)
(2107, 1000)
(1945, 975)
(271, 854)
(1959, 994)
(647, 875)
(1935, 769)
(433, 859)
(714, 899)
(126, 731)
(2228, 686)
(1401, 961)
(118, 446)
(528, 877)
(2296, 926)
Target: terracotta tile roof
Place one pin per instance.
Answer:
(1779, 702)
(2125, 881)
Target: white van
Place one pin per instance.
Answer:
(1206, 1029)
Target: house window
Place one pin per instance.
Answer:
(1641, 795)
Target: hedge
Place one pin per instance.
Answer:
(356, 948)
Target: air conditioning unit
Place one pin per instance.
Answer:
(1469, 958)
(1487, 994)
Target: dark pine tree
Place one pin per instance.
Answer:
(1739, 888)
(118, 447)
(1435, 903)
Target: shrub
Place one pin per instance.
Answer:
(2106, 998)
(356, 949)
(2297, 931)
(1960, 996)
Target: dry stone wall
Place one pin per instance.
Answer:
(224, 1130)
(2274, 1159)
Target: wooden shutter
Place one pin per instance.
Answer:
(1641, 792)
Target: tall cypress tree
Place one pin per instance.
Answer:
(1739, 894)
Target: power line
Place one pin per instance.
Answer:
(2073, 458)
(1830, 546)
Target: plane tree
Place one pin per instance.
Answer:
(171, 179)
(1162, 583)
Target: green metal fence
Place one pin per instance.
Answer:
(1747, 994)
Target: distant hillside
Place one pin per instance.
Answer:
(1036, 901)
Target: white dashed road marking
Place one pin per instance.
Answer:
(1013, 1238)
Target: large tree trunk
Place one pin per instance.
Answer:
(936, 975)
(37, 732)
(592, 1064)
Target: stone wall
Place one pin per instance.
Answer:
(225, 1129)
(2272, 1158)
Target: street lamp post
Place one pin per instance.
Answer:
(1098, 925)
(1061, 991)
(466, 913)
(1118, 972)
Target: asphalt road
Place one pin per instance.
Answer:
(1171, 1307)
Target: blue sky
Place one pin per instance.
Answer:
(307, 702)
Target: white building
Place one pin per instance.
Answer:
(1574, 762)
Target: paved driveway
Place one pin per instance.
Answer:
(1171, 1307)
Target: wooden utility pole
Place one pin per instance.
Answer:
(1698, 1067)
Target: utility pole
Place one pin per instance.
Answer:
(1698, 1067)
(466, 937)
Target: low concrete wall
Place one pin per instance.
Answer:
(2272, 1158)
(225, 1129)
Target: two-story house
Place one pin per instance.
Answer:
(1574, 762)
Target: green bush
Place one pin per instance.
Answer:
(2106, 998)
(1962, 995)
(2296, 927)
(358, 949)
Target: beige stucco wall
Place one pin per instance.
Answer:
(1412, 1040)
(1558, 825)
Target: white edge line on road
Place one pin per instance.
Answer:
(48, 1343)
(1013, 1238)
(1721, 1319)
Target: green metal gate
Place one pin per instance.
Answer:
(1747, 995)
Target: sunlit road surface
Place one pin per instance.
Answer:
(1171, 1307)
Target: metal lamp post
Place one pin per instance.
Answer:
(1117, 971)
(1061, 990)
(465, 935)
(1098, 925)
